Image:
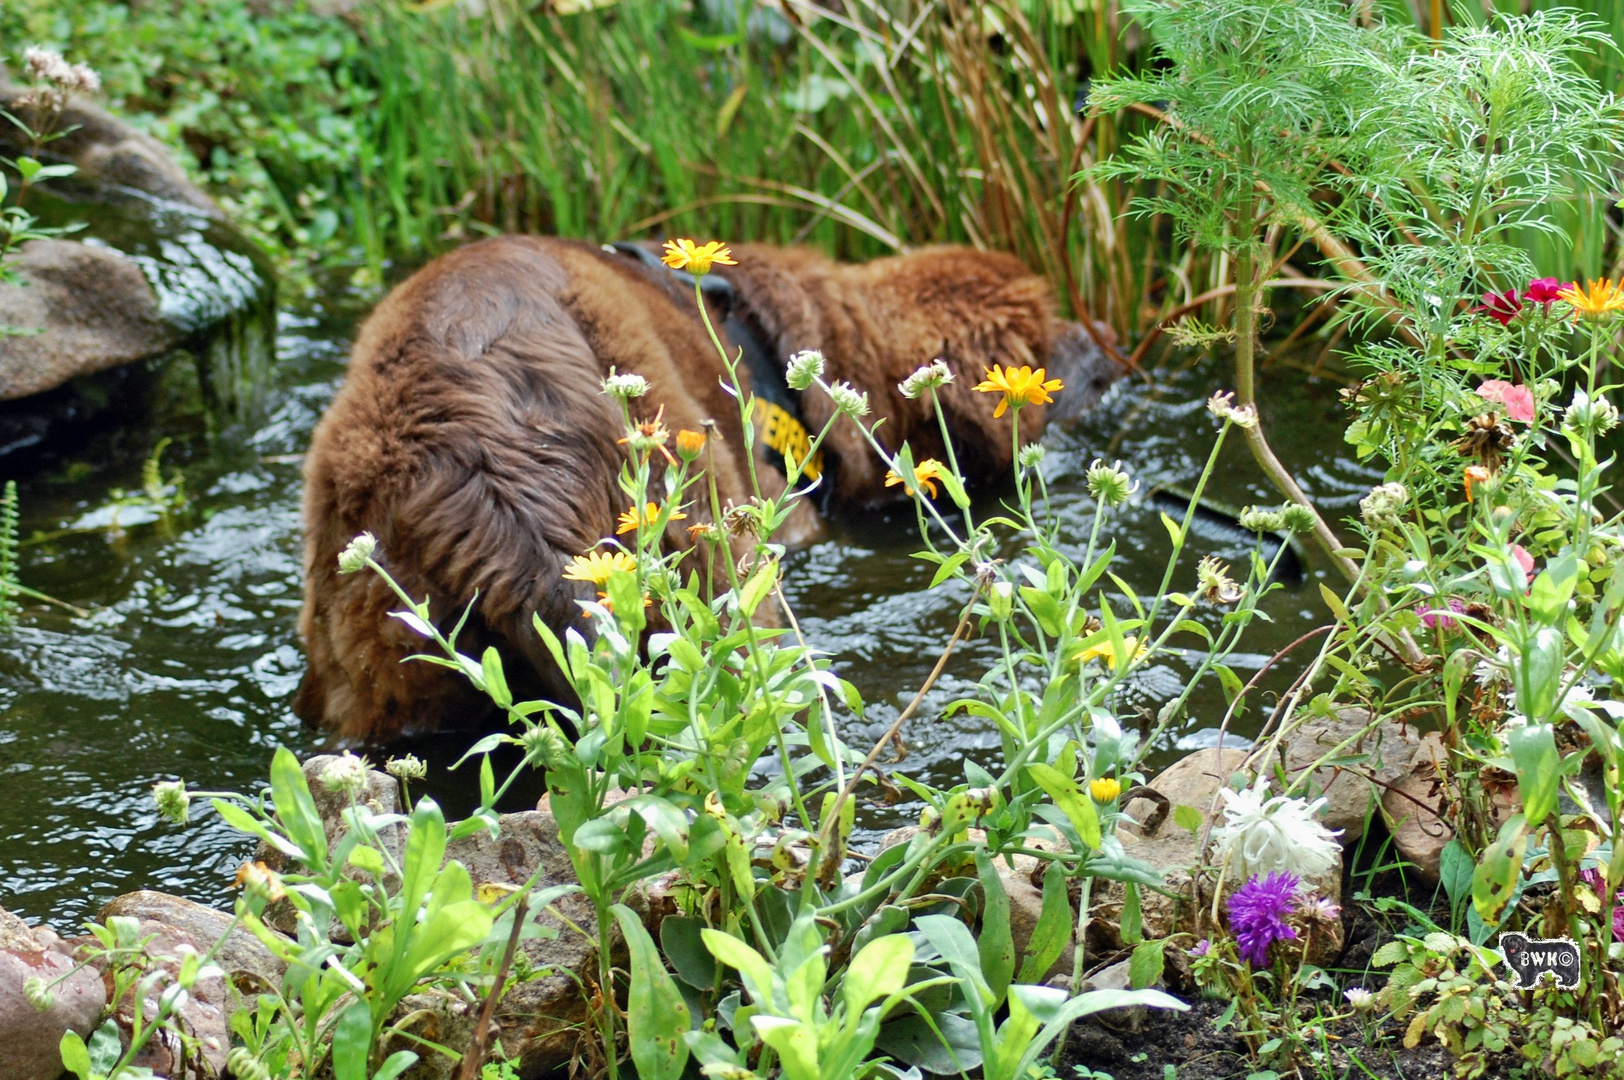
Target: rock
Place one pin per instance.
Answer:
(1413, 808)
(244, 958)
(1116, 977)
(1350, 796)
(157, 270)
(29, 1039)
(439, 1018)
(204, 1015)
(1192, 780)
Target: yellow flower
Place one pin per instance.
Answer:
(928, 471)
(1105, 789)
(686, 255)
(690, 443)
(596, 566)
(1103, 651)
(1020, 386)
(631, 520)
(1595, 300)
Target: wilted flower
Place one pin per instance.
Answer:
(1257, 915)
(1297, 518)
(174, 803)
(406, 767)
(1360, 998)
(935, 373)
(1213, 582)
(649, 436)
(1020, 386)
(1384, 504)
(1441, 618)
(1318, 908)
(1110, 484)
(596, 566)
(259, 880)
(1202, 948)
(1515, 398)
(690, 444)
(1491, 671)
(1031, 455)
(1262, 833)
(1222, 405)
(632, 520)
(356, 553)
(1104, 789)
(1260, 519)
(696, 258)
(1598, 298)
(1486, 439)
(1587, 416)
(805, 368)
(849, 400)
(346, 774)
(928, 471)
(624, 387)
(38, 994)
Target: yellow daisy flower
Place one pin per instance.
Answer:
(596, 566)
(1104, 789)
(1020, 386)
(631, 520)
(1595, 300)
(1103, 651)
(928, 471)
(696, 258)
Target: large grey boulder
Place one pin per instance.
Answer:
(30, 1039)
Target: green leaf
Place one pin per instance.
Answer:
(1334, 602)
(1131, 919)
(879, 970)
(757, 588)
(682, 945)
(1494, 882)
(996, 945)
(1072, 801)
(496, 686)
(75, 1055)
(756, 972)
(1147, 962)
(1174, 529)
(352, 1042)
(1053, 927)
(295, 808)
(656, 1014)
(1539, 769)
(1455, 869)
(1187, 818)
(958, 948)
(395, 1064)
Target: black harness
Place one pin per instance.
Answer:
(778, 408)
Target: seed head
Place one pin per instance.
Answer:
(545, 747)
(242, 1064)
(624, 387)
(174, 804)
(1384, 504)
(409, 767)
(849, 400)
(1110, 484)
(1031, 455)
(1587, 416)
(345, 775)
(933, 374)
(1298, 518)
(805, 368)
(353, 559)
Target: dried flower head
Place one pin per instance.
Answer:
(1110, 484)
(933, 374)
(406, 767)
(1261, 833)
(805, 368)
(1384, 504)
(1020, 386)
(696, 258)
(1213, 582)
(624, 387)
(1222, 405)
(353, 558)
(849, 400)
(1257, 915)
(173, 801)
(345, 775)
(648, 436)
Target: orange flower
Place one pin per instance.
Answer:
(928, 471)
(690, 444)
(1595, 300)
(1020, 386)
(631, 520)
(650, 435)
(694, 258)
(1476, 474)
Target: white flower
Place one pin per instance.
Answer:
(1586, 417)
(805, 368)
(345, 775)
(849, 400)
(1222, 405)
(1262, 834)
(1494, 670)
(1359, 997)
(85, 79)
(624, 386)
(47, 65)
(935, 373)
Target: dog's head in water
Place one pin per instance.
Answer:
(1076, 357)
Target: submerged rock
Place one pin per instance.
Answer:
(30, 1039)
(157, 270)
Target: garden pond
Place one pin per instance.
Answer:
(189, 654)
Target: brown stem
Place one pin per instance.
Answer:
(474, 1059)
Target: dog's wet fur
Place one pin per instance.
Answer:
(472, 439)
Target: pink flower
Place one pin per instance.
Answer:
(1544, 290)
(1501, 307)
(1524, 560)
(1516, 399)
(1440, 617)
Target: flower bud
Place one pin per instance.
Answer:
(849, 400)
(38, 994)
(345, 775)
(1109, 484)
(545, 747)
(353, 558)
(1298, 518)
(409, 767)
(624, 387)
(1261, 520)
(1001, 600)
(690, 444)
(931, 375)
(805, 368)
(1384, 504)
(1031, 455)
(242, 1064)
(174, 804)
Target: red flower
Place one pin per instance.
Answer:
(1501, 307)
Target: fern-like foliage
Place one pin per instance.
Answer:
(9, 585)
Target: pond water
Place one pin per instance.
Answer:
(186, 661)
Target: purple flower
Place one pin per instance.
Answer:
(1202, 948)
(1439, 617)
(1257, 915)
(1592, 877)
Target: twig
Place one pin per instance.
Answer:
(474, 1059)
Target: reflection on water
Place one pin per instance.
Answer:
(186, 664)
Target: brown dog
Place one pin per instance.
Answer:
(472, 439)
